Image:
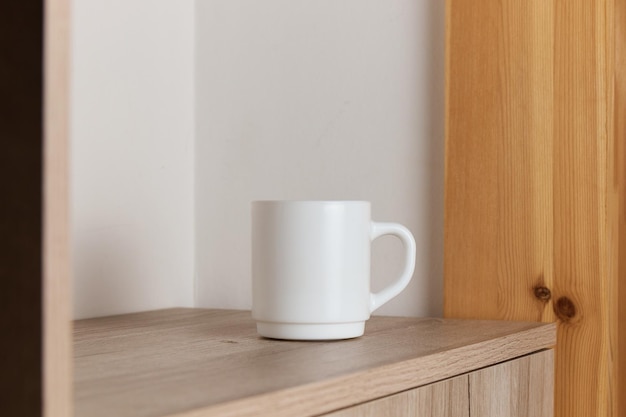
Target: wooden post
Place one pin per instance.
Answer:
(535, 211)
(56, 281)
(35, 302)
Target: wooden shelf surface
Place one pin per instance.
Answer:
(197, 362)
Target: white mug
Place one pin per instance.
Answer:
(311, 268)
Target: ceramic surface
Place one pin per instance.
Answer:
(311, 268)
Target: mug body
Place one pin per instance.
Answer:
(311, 268)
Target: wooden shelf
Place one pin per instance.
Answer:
(197, 362)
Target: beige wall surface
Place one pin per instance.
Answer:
(184, 112)
(132, 155)
(310, 99)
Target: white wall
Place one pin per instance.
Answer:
(319, 99)
(132, 135)
(309, 99)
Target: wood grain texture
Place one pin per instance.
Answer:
(619, 185)
(447, 398)
(57, 287)
(194, 362)
(498, 186)
(534, 222)
(522, 387)
(585, 274)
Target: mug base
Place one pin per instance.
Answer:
(317, 331)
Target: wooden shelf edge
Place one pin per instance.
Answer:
(389, 379)
(342, 390)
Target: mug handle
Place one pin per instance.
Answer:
(395, 229)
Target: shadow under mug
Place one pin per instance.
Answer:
(311, 268)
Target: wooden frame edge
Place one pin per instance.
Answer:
(57, 288)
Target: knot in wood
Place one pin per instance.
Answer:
(565, 309)
(542, 293)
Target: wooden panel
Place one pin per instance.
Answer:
(57, 288)
(194, 362)
(585, 287)
(535, 181)
(446, 399)
(619, 186)
(34, 312)
(21, 50)
(519, 388)
(498, 187)
(442, 399)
